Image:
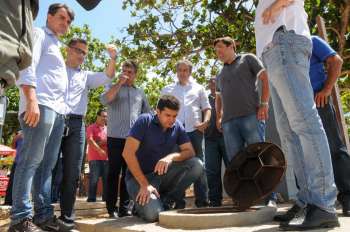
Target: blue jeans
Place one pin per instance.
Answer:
(170, 186)
(215, 153)
(98, 168)
(39, 154)
(339, 153)
(299, 126)
(72, 157)
(200, 185)
(242, 131)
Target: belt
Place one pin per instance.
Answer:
(74, 116)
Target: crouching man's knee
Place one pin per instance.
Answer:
(150, 212)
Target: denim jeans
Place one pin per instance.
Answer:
(170, 186)
(339, 153)
(200, 185)
(116, 168)
(72, 157)
(98, 168)
(39, 154)
(215, 153)
(242, 131)
(299, 126)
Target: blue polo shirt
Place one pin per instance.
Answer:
(320, 52)
(154, 142)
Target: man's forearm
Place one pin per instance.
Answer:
(110, 69)
(112, 92)
(218, 106)
(207, 115)
(135, 169)
(265, 90)
(334, 65)
(181, 156)
(93, 143)
(29, 92)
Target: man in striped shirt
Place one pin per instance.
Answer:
(125, 102)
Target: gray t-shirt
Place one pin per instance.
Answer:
(237, 84)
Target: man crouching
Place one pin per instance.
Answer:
(156, 175)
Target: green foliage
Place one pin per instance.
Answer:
(166, 31)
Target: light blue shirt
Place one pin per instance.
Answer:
(47, 73)
(79, 84)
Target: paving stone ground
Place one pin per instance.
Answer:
(133, 224)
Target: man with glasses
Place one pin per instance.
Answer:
(73, 142)
(43, 87)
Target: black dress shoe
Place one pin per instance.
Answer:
(346, 208)
(315, 219)
(290, 214)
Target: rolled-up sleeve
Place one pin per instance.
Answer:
(204, 100)
(97, 79)
(28, 76)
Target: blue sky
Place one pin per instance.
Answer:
(105, 21)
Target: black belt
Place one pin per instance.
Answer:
(74, 116)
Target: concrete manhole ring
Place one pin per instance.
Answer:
(220, 217)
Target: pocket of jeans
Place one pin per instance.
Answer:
(302, 48)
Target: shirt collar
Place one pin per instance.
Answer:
(190, 82)
(78, 69)
(234, 61)
(48, 31)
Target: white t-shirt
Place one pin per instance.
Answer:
(293, 17)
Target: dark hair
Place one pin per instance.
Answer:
(226, 40)
(99, 112)
(74, 41)
(53, 8)
(185, 62)
(130, 64)
(168, 101)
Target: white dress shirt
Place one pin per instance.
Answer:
(47, 73)
(293, 17)
(79, 84)
(193, 100)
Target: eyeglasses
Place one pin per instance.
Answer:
(79, 51)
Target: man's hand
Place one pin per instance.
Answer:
(202, 126)
(162, 165)
(112, 51)
(263, 112)
(102, 152)
(272, 12)
(218, 124)
(122, 79)
(144, 194)
(321, 98)
(32, 113)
